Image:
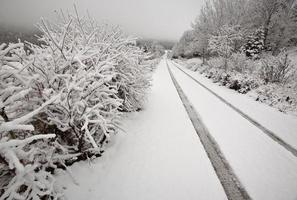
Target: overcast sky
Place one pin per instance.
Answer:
(162, 19)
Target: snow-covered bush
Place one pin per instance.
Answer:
(216, 74)
(238, 62)
(276, 69)
(26, 172)
(216, 62)
(243, 83)
(282, 97)
(194, 64)
(155, 48)
(74, 88)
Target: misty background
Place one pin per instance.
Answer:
(154, 19)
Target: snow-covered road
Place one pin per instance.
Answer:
(282, 125)
(160, 156)
(265, 168)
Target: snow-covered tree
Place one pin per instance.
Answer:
(186, 46)
(254, 44)
(283, 28)
(216, 14)
(225, 43)
(157, 49)
(153, 47)
(202, 45)
(278, 20)
(261, 13)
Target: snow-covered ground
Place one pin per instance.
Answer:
(195, 61)
(284, 125)
(265, 168)
(159, 156)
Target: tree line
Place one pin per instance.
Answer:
(249, 26)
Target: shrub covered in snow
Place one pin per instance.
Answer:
(216, 62)
(26, 167)
(277, 69)
(194, 64)
(282, 97)
(239, 62)
(271, 80)
(61, 101)
(242, 83)
(239, 81)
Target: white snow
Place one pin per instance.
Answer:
(159, 156)
(17, 123)
(266, 169)
(194, 61)
(284, 125)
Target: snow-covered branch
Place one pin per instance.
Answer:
(76, 85)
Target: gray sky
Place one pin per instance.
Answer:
(162, 19)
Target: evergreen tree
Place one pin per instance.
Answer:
(255, 43)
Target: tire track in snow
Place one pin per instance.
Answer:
(269, 133)
(231, 184)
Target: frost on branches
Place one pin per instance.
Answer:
(61, 101)
(226, 42)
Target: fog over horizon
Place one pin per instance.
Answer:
(154, 19)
